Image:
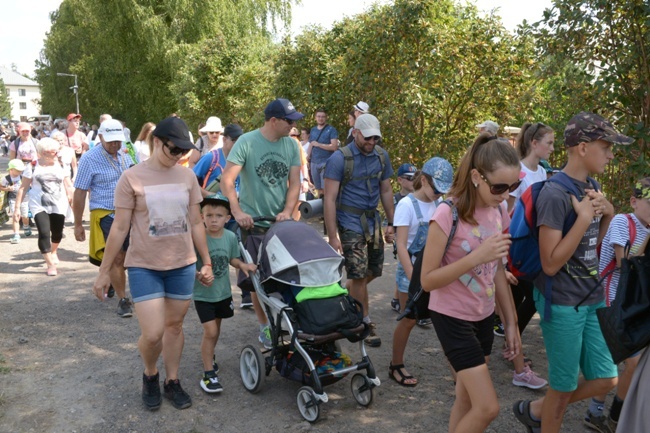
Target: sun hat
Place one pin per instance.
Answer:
(23, 126)
(368, 125)
(362, 107)
(586, 127)
(16, 164)
(111, 130)
(213, 124)
(441, 172)
(282, 109)
(175, 129)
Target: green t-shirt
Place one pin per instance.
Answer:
(222, 251)
(265, 172)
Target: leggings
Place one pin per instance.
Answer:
(522, 295)
(46, 223)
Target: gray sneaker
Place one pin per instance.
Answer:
(265, 337)
(373, 339)
(599, 423)
(124, 308)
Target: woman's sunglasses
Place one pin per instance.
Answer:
(175, 151)
(500, 188)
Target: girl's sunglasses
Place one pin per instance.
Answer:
(500, 188)
(175, 151)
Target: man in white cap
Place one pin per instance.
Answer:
(98, 171)
(361, 108)
(488, 126)
(356, 178)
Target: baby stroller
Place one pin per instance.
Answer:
(294, 262)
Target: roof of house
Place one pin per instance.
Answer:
(12, 78)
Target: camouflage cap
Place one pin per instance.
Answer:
(642, 188)
(587, 127)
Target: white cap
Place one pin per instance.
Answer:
(111, 130)
(368, 125)
(491, 126)
(213, 124)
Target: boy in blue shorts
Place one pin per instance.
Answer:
(633, 228)
(214, 303)
(573, 339)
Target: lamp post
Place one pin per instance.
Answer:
(74, 88)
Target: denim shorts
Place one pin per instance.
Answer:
(574, 342)
(401, 279)
(146, 284)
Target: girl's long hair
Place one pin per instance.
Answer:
(529, 132)
(486, 154)
(145, 131)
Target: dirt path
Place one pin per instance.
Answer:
(68, 363)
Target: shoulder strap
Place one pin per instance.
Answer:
(454, 222)
(321, 132)
(416, 207)
(214, 164)
(10, 181)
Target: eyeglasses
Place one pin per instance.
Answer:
(214, 132)
(175, 151)
(374, 138)
(500, 188)
(289, 121)
(295, 135)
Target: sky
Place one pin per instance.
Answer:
(22, 35)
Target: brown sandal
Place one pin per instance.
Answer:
(392, 369)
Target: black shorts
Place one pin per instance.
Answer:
(209, 311)
(465, 343)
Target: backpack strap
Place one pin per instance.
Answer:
(214, 164)
(10, 182)
(608, 271)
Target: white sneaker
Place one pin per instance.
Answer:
(15, 238)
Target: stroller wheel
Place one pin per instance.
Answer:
(251, 368)
(308, 404)
(361, 389)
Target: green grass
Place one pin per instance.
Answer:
(3, 368)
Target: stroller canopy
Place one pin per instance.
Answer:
(296, 254)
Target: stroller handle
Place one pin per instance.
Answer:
(264, 218)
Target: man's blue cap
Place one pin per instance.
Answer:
(282, 109)
(441, 172)
(406, 170)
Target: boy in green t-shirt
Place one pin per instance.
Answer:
(214, 302)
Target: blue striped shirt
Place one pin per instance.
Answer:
(98, 173)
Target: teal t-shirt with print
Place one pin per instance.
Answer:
(265, 172)
(222, 251)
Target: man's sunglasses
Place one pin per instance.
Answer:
(289, 121)
(500, 188)
(175, 151)
(373, 138)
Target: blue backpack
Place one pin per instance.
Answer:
(523, 257)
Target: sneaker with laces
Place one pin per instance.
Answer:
(151, 396)
(15, 238)
(210, 383)
(394, 304)
(373, 339)
(28, 232)
(424, 322)
(111, 291)
(265, 337)
(246, 302)
(499, 330)
(215, 366)
(528, 379)
(176, 395)
(124, 308)
(600, 423)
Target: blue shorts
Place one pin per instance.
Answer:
(146, 284)
(106, 223)
(401, 279)
(574, 342)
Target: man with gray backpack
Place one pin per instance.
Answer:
(356, 178)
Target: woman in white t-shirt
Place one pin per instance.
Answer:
(49, 198)
(411, 221)
(158, 200)
(142, 151)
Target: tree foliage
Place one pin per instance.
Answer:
(5, 104)
(128, 53)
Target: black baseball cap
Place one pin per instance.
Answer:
(175, 130)
(233, 131)
(282, 109)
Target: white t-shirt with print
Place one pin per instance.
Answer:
(530, 178)
(48, 191)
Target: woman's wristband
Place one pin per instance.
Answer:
(207, 264)
(389, 224)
